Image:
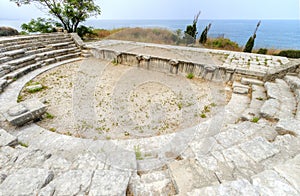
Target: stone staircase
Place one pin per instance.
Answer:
(23, 54)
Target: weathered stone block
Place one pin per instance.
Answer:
(24, 112)
(7, 139)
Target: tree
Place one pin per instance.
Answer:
(69, 12)
(40, 25)
(250, 42)
(203, 37)
(190, 33)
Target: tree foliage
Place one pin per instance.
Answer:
(40, 25)
(250, 43)
(190, 33)
(203, 37)
(69, 12)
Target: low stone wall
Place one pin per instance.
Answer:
(220, 73)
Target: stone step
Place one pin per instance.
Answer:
(188, 175)
(293, 81)
(88, 182)
(68, 56)
(27, 39)
(61, 45)
(282, 102)
(240, 88)
(25, 46)
(291, 126)
(55, 53)
(18, 63)
(235, 108)
(26, 181)
(154, 182)
(242, 132)
(3, 84)
(251, 81)
(257, 100)
(7, 139)
(270, 182)
(70, 147)
(22, 71)
(241, 187)
(4, 59)
(290, 171)
(15, 53)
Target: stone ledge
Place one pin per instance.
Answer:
(24, 112)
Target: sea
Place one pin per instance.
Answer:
(272, 34)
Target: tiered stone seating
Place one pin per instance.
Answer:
(229, 154)
(23, 54)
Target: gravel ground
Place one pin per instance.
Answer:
(127, 102)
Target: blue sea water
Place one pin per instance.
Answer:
(277, 34)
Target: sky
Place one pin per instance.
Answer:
(174, 9)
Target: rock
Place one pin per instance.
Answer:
(146, 58)
(187, 176)
(290, 170)
(270, 183)
(7, 139)
(34, 88)
(106, 182)
(293, 81)
(272, 90)
(17, 110)
(252, 81)
(238, 157)
(8, 31)
(26, 181)
(156, 183)
(270, 109)
(240, 90)
(73, 182)
(288, 126)
(2, 177)
(25, 111)
(238, 187)
(259, 149)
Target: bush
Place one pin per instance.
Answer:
(222, 43)
(8, 31)
(290, 53)
(41, 25)
(262, 51)
(83, 31)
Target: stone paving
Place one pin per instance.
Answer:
(250, 147)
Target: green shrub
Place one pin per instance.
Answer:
(222, 43)
(290, 53)
(255, 119)
(262, 51)
(190, 76)
(84, 31)
(41, 25)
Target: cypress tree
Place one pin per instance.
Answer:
(250, 43)
(203, 37)
(190, 33)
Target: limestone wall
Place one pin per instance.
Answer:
(237, 64)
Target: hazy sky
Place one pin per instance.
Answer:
(175, 9)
